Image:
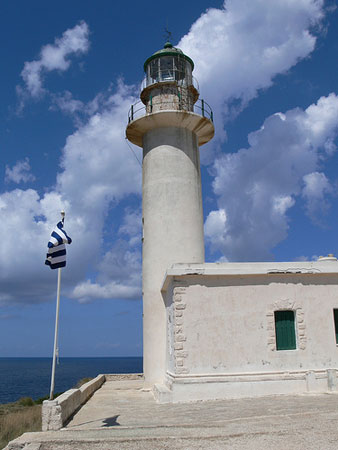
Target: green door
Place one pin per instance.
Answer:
(285, 330)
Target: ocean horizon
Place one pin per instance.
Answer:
(30, 377)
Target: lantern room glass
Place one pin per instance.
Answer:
(169, 68)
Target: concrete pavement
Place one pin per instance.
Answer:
(121, 415)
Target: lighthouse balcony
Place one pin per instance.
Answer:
(170, 103)
(170, 111)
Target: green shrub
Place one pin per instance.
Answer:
(26, 401)
(40, 400)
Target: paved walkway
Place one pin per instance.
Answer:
(121, 415)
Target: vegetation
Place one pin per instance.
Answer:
(23, 415)
(46, 397)
(26, 401)
(17, 418)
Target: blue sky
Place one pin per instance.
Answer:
(69, 74)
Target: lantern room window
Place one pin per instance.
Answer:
(169, 68)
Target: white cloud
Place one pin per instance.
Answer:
(76, 109)
(122, 264)
(321, 122)
(54, 57)
(131, 226)
(98, 154)
(23, 275)
(20, 172)
(215, 228)
(258, 185)
(237, 51)
(316, 186)
(98, 170)
(119, 276)
(240, 48)
(280, 204)
(87, 291)
(67, 104)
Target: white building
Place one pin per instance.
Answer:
(217, 330)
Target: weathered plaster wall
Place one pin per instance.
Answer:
(222, 331)
(227, 324)
(172, 228)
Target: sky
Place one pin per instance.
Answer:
(71, 70)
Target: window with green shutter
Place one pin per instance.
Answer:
(285, 330)
(335, 316)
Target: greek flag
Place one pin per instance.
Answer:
(56, 256)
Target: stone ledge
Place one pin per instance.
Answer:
(123, 376)
(195, 387)
(56, 412)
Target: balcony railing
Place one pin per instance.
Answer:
(138, 109)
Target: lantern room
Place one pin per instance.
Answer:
(169, 72)
(169, 98)
(169, 64)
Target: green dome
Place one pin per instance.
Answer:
(168, 50)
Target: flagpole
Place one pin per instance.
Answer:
(56, 326)
(55, 334)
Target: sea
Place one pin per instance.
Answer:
(30, 377)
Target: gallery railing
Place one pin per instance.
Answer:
(201, 107)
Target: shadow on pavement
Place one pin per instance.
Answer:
(111, 421)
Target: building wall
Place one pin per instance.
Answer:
(223, 326)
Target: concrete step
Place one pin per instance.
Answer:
(307, 431)
(139, 443)
(166, 437)
(308, 422)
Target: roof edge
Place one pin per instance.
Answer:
(168, 52)
(250, 268)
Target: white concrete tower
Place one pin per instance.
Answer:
(170, 123)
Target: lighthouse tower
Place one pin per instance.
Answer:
(169, 123)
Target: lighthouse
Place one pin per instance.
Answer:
(170, 123)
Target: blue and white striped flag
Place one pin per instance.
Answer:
(56, 256)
